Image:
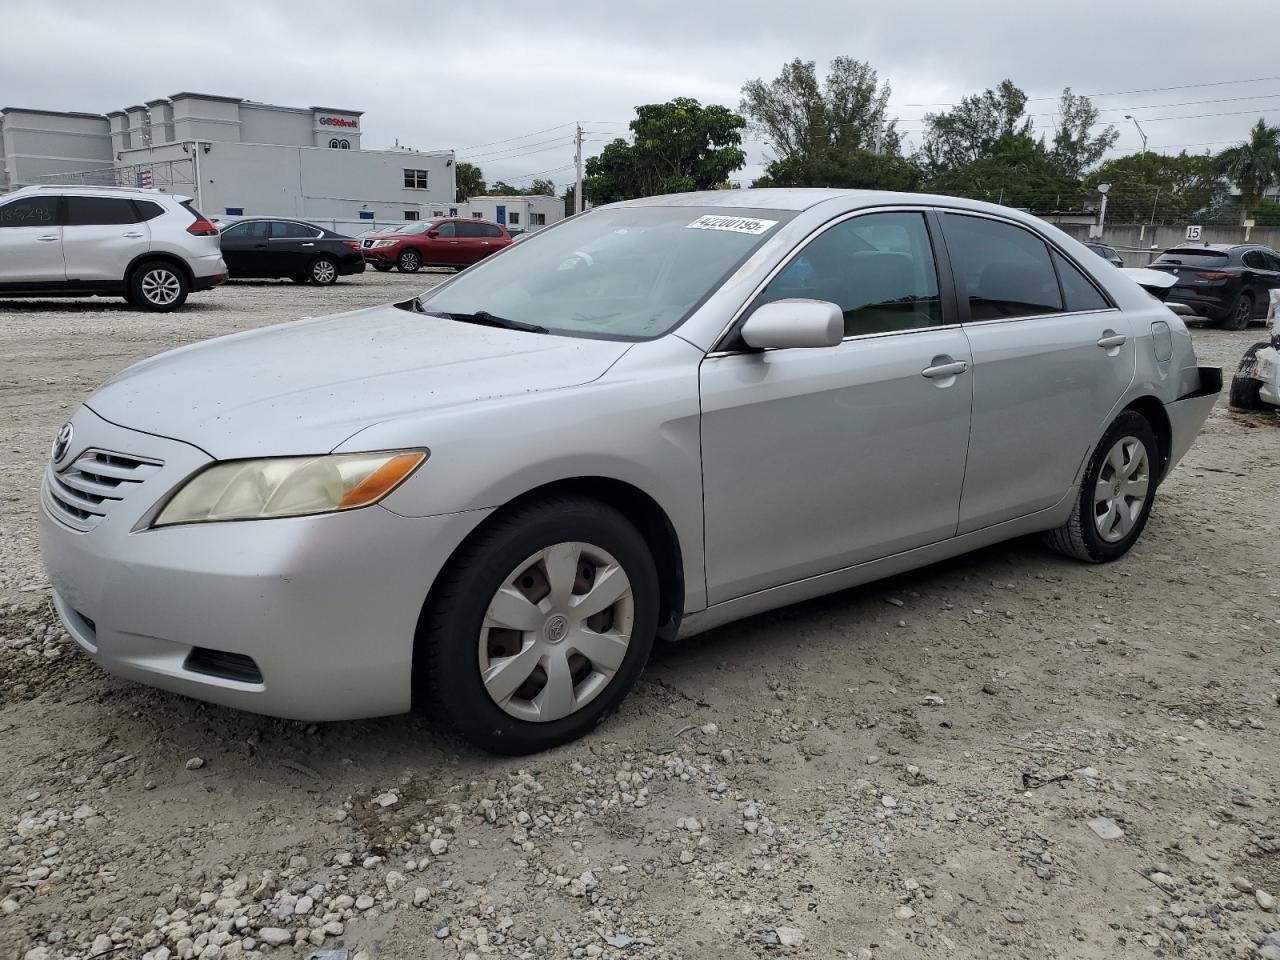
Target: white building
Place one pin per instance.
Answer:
(235, 157)
(517, 213)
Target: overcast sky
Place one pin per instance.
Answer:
(503, 82)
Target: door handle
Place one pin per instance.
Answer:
(1110, 340)
(133, 236)
(46, 239)
(308, 244)
(944, 367)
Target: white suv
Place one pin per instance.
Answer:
(150, 247)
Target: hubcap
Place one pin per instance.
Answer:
(410, 260)
(1121, 490)
(323, 271)
(556, 632)
(161, 287)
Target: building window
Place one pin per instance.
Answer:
(235, 211)
(477, 216)
(366, 214)
(333, 143)
(513, 218)
(437, 213)
(415, 179)
(537, 219)
(344, 144)
(411, 214)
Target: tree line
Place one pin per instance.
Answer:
(836, 132)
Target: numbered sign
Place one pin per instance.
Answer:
(1193, 233)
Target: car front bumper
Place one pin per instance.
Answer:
(380, 254)
(309, 618)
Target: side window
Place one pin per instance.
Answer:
(1273, 260)
(30, 212)
(1255, 259)
(491, 231)
(878, 268)
(99, 211)
(471, 230)
(1079, 293)
(285, 230)
(1003, 270)
(447, 230)
(147, 210)
(253, 230)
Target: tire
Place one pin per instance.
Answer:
(455, 636)
(323, 272)
(409, 262)
(1081, 536)
(1241, 314)
(158, 286)
(383, 267)
(1245, 390)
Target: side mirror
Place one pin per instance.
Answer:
(794, 323)
(433, 234)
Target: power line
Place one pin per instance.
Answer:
(520, 150)
(524, 136)
(1119, 93)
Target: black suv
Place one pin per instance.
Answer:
(1228, 283)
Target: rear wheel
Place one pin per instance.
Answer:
(323, 272)
(159, 286)
(409, 261)
(539, 628)
(1241, 313)
(1116, 494)
(1246, 391)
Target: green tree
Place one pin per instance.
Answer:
(570, 193)
(1076, 147)
(470, 181)
(541, 188)
(1158, 188)
(503, 189)
(968, 133)
(1254, 166)
(1017, 171)
(677, 146)
(849, 169)
(801, 116)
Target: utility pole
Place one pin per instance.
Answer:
(577, 163)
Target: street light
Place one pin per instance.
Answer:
(1129, 116)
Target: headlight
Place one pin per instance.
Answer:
(288, 486)
(385, 243)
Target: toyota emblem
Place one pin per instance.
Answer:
(63, 442)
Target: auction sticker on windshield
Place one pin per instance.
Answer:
(749, 225)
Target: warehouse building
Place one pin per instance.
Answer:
(235, 157)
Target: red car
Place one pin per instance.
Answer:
(448, 242)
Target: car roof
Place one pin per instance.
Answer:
(1211, 247)
(137, 193)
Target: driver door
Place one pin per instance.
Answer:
(819, 459)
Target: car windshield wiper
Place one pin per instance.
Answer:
(487, 319)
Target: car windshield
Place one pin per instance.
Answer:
(416, 227)
(628, 273)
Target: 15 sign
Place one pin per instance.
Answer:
(1193, 233)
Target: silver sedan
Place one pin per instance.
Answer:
(646, 421)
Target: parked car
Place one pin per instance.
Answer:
(642, 423)
(271, 247)
(149, 247)
(1256, 384)
(1227, 283)
(443, 242)
(1106, 253)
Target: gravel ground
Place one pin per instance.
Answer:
(1008, 754)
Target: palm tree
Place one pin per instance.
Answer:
(1255, 164)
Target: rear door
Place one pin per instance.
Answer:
(1051, 359)
(473, 242)
(244, 248)
(291, 248)
(101, 236)
(31, 241)
(1260, 278)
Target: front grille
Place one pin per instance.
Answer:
(220, 663)
(85, 492)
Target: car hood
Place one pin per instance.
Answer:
(305, 387)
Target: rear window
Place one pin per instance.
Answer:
(1194, 257)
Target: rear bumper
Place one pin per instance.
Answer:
(354, 265)
(1188, 413)
(207, 283)
(1213, 304)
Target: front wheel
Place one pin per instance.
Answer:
(409, 261)
(539, 628)
(159, 286)
(1116, 494)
